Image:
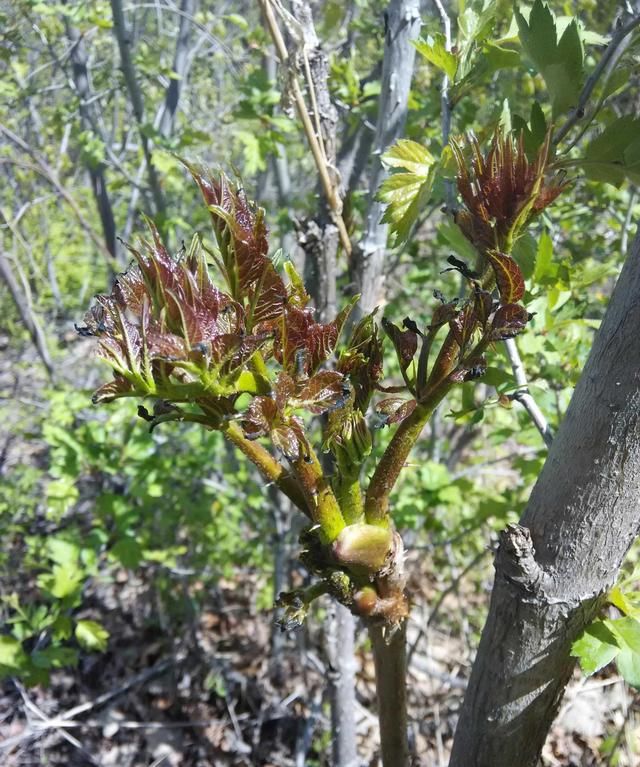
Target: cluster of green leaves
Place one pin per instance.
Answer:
(610, 639)
(115, 496)
(497, 74)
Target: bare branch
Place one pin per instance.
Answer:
(523, 395)
(444, 99)
(128, 70)
(26, 313)
(45, 170)
(329, 187)
(402, 25)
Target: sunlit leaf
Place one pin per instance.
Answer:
(434, 50)
(405, 193)
(395, 409)
(92, 635)
(595, 647)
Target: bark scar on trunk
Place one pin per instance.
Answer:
(515, 561)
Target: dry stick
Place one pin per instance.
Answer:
(97, 172)
(443, 595)
(592, 81)
(27, 315)
(122, 35)
(523, 396)
(44, 721)
(444, 99)
(329, 189)
(624, 237)
(403, 23)
(339, 627)
(66, 719)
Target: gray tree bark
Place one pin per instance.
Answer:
(97, 172)
(123, 38)
(27, 315)
(402, 25)
(553, 569)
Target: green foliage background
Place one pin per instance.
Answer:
(84, 492)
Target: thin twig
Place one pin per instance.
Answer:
(585, 95)
(444, 99)
(45, 170)
(523, 395)
(626, 226)
(331, 193)
(144, 676)
(443, 595)
(31, 707)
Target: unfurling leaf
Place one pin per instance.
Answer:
(508, 321)
(241, 233)
(483, 305)
(446, 361)
(508, 277)
(302, 344)
(326, 391)
(361, 361)
(404, 341)
(443, 313)
(265, 416)
(463, 326)
(395, 409)
(502, 191)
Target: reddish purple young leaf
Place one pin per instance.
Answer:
(404, 341)
(463, 325)
(508, 321)
(508, 277)
(395, 409)
(327, 390)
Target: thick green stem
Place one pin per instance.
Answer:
(349, 494)
(268, 465)
(321, 501)
(351, 501)
(390, 660)
(376, 505)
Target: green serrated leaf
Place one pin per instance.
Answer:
(596, 647)
(409, 155)
(560, 62)
(628, 663)
(62, 581)
(92, 635)
(619, 599)
(406, 193)
(434, 50)
(12, 656)
(127, 551)
(545, 270)
(54, 657)
(615, 154)
(627, 631)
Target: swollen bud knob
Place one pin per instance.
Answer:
(363, 545)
